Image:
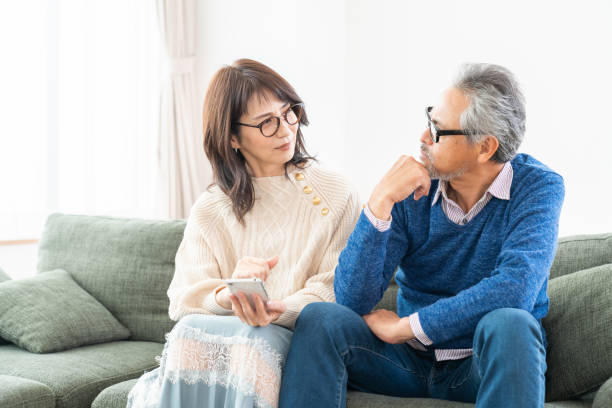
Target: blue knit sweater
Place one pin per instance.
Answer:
(452, 275)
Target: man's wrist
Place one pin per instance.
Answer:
(380, 225)
(417, 329)
(380, 206)
(404, 330)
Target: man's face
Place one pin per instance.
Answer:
(453, 155)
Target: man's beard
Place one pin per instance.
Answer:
(434, 173)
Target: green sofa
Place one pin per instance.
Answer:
(127, 265)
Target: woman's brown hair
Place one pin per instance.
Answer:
(226, 100)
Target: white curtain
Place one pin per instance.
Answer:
(185, 172)
(23, 75)
(80, 111)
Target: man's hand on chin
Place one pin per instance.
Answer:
(389, 327)
(407, 176)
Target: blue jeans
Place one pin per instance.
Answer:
(333, 348)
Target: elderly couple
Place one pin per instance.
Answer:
(469, 232)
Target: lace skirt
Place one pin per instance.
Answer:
(215, 361)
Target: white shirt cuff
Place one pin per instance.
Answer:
(415, 325)
(380, 225)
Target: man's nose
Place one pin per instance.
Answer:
(426, 137)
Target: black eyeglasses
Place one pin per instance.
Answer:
(268, 127)
(435, 133)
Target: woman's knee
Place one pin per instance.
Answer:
(190, 320)
(198, 321)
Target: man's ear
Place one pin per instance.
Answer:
(487, 148)
(234, 142)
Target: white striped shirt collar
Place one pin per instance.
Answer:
(500, 188)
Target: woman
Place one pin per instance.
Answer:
(271, 214)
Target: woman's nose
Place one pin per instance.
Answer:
(284, 129)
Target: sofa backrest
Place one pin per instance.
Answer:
(579, 252)
(4, 276)
(126, 264)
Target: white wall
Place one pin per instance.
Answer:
(304, 42)
(403, 53)
(367, 69)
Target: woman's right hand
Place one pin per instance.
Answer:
(247, 267)
(250, 267)
(259, 316)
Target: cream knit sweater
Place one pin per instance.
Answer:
(305, 219)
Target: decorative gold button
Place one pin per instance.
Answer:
(307, 189)
(324, 211)
(316, 200)
(299, 176)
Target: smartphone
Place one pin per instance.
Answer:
(248, 287)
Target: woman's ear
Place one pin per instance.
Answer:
(234, 142)
(488, 147)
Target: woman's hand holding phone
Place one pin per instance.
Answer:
(262, 314)
(250, 267)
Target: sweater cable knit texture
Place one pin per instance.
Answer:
(305, 219)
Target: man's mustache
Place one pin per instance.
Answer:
(424, 150)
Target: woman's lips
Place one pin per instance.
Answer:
(286, 146)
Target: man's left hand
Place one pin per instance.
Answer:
(389, 327)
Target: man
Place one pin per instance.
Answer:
(473, 261)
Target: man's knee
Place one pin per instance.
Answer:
(509, 341)
(507, 318)
(508, 325)
(324, 316)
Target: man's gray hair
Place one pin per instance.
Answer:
(497, 107)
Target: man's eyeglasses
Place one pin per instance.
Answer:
(435, 133)
(268, 127)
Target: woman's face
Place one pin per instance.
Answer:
(266, 155)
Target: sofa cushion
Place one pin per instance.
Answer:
(568, 404)
(77, 376)
(18, 392)
(50, 312)
(356, 399)
(126, 264)
(580, 252)
(115, 396)
(577, 327)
